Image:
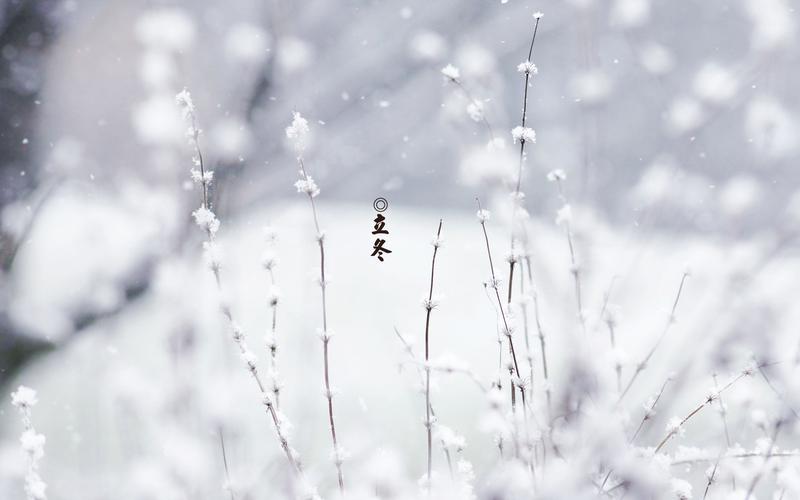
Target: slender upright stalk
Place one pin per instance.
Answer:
(410, 351)
(768, 455)
(649, 411)
(326, 334)
(528, 350)
(643, 363)
(429, 305)
(468, 95)
(269, 262)
(208, 221)
(524, 136)
(542, 340)
(496, 288)
(228, 484)
(576, 271)
(723, 416)
(711, 477)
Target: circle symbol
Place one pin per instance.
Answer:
(380, 204)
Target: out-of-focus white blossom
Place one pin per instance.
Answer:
(297, 132)
(682, 489)
(556, 175)
(656, 58)
(715, 83)
(31, 442)
(247, 43)
(199, 177)
(451, 72)
(185, 102)
(564, 215)
(475, 110)
(206, 219)
(165, 28)
(428, 46)
(675, 426)
(630, 13)
(591, 86)
(307, 186)
(24, 397)
(483, 215)
(525, 134)
(528, 68)
(685, 114)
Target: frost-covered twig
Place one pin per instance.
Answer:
(297, 133)
(776, 429)
(650, 410)
(676, 425)
(525, 329)
(565, 218)
(483, 216)
(209, 222)
(723, 414)
(228, 483)
(735, 456)
(524, 135)
(270, 261)
(542, 339)
(421, 373)
(24, 398)
(711, 476)
(610, 320)
(475, 107)
(429, 305)
(670, 320)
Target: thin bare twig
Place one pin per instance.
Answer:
(428, 308)
(670, 321)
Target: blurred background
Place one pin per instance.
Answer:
(675, 122)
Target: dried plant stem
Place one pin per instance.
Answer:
(768, 455)
(468, 95)
(643, 363)
(699, 407)
(528, 350)
(774, 389)
(210, 225)
(507, 329)
(733, 456)
(525, 109)
(228, 483)
(542, 340)
(723, 416)
(239, 339)
(709, 399)
(420, 371)
(611, 324)
(517, 195)
(326, 337)
(273, 344)
(576, 271)
(711, 477)
(648, 414)
(428, 309)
